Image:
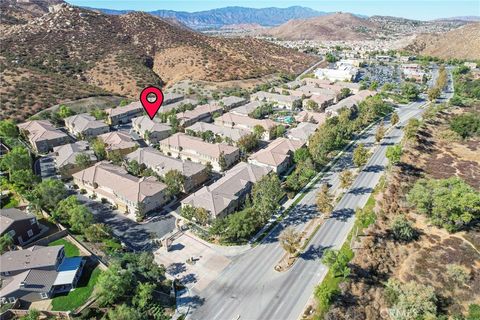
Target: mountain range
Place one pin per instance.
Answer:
(217, 18)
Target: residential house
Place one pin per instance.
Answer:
(312, 117)
(151, 130)
(302, 132)
(130, 194)
(38, 273)
(200, 113)
(282, 101)
(413, 71)
(227, 194)
(349, 102)
(246, 109)
(226, 133)
(118, 141)
(123, 115)
(85, 126)
(327, 91)
(22, 227)
(42, 135)
(195, 173)
(167, 107)
(232, 102)
(233, 120)
(277, 155)
(195, 149)
(171, 97)
(65, 157)
(322, 101)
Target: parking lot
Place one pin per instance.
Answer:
(206, 266)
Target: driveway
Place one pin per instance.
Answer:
(136, 236)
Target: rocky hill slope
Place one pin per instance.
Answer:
(72, 52)
(338, 26)
(461, 43)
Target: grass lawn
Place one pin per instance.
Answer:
(70, 249)
(80, 295)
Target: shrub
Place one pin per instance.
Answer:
(402, 229)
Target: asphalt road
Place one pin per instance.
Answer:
(250, 288)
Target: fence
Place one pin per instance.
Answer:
(15, 313)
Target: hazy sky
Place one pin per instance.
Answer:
(424, 9)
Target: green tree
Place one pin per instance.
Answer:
(412, 128)
(83, 160)
(6, 243)
(473, 312)
(346, 178)
(410, 91)
(124, 312)
(17, 159)
(301, 155)
(80, 218)
(97, 232)
(394, 154)
(64, 112)
(174, 181)
(134, 168)
(360, 155)
(258, 130)
(24, 180)
(466, 125)
(188, 212)
(312, 105)
(247, 143)
(99, 114)
(113, 285)
(279, 131)
(450, 203)
(345, 92)
(402, 229)
(202, 216)
(395, 118)
(98, 147)
(330, 57)
(324, 200)
(144, 295)
(380, 132)
(8, 129)
(222, 161)
(290, 240)
(115, 157)
(48, 193)
(266, 194)
(411, 300)
(61, 213)
(434, 93)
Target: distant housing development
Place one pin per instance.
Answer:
(42, 135)
(130, 194)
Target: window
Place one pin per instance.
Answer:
(44, 295)
(11, 233)
(33, 221)
(30, 233)
(11, 299)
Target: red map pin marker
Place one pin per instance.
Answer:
(151, 107)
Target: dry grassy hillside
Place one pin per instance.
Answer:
(461, 43)
(339, 26)
(100, 53)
